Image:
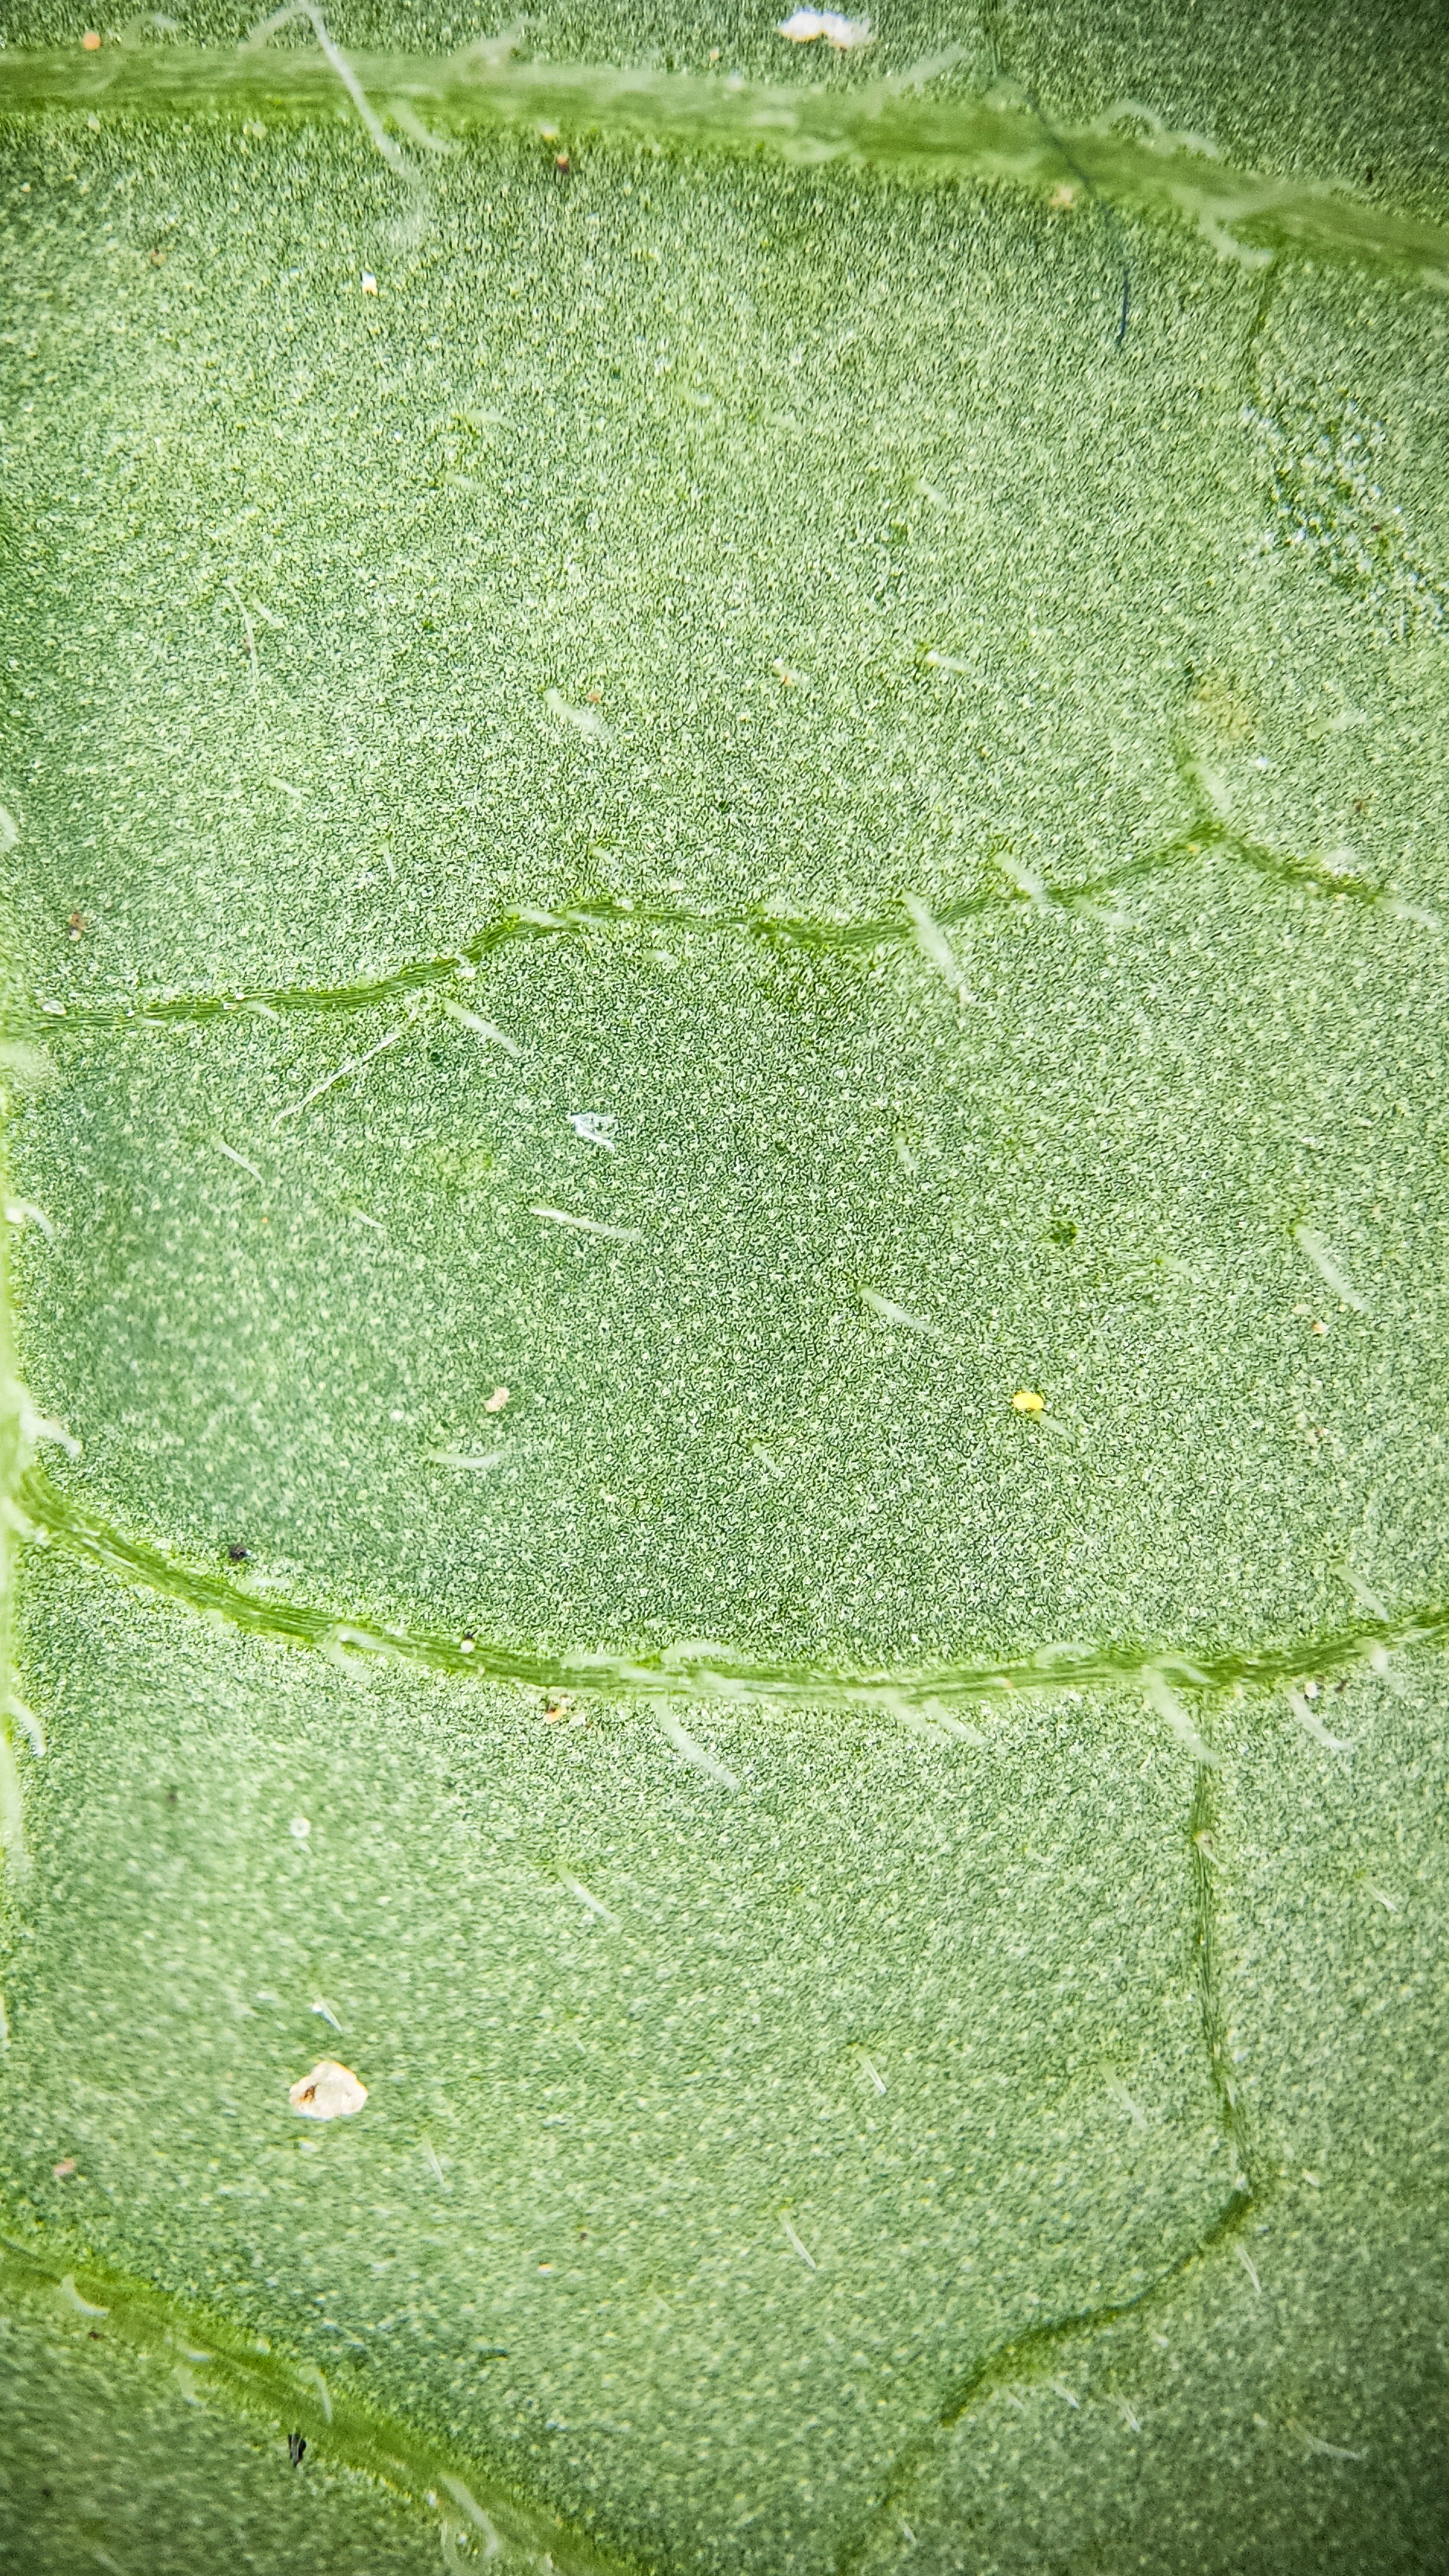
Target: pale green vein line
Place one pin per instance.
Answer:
(879, 124)
(132, 2315)
(1026, 2356)
(896, 928)
(52, 1516)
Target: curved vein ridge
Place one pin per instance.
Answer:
(896, 928)
(45, 1515)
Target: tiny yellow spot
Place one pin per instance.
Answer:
(1024, 1401)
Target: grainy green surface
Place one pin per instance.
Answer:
(959, 795)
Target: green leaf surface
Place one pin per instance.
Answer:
(726, 1177)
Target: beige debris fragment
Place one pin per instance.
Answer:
(330, 2092)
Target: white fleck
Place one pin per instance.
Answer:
(1245, 2258)
(325, 2012)
(73, 2299)
(1062, 2390)
(473, 2509)
(1325, 2450)
(53, 1010)
(586, 1224)
(25, 1212)
(595, 1128)
(330, 2092)
(9, 830)
(1167, 1705)
(1382, 1897)
(944, 661)
(432, 2153)
(299, 1828)
(481, 1028)
(1123, 2098)
(695, 1754)
(233, 1156)
(805, 25)
(1128, 2417)
(1363, 1593)
(29, 1724)
(369, 282)
(934, 944)
(1309, 1719)
(186, 2384)
(36, 1426)
(585, 720)
(877, 2079)
(1025, 880)
(311, 2377)
(1312, 1246)
(344, 1072)
(806, 2257)
(594, 1903)
(890, 1313)
(475, 1464)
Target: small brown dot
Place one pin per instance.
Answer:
(77, 925)
(158, 259)
(563, 165)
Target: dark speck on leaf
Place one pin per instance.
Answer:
(296, 2445)
(236, 1553)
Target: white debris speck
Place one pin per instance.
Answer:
(299, 1828)
(29, 1725)
(1123, 2099)
(36, 1426)
(693, 1753)
(233, 1156)
(1167, 1705)
(1325, 2450)
(330, 2092)
(25, 1212)
(1309, 1719)
(369, 282)
(806, 2257)
(1363, 1593)
(1132, 2421)
(877, 2079)
(1062, 2390)
(473, 2509)
(584, 720)
(9, 830)
(934, 944)
(1245, 2258)
(1025, 880)
(805, 25)
(73, 2299)
(311, 2377)
(586, 1224)
(586, 1897)
(324, 2012)
(497, 1400)
(1312, 1246)
(481, 1028)
(595, 1128)
(890, 1313)
(477, 1465)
